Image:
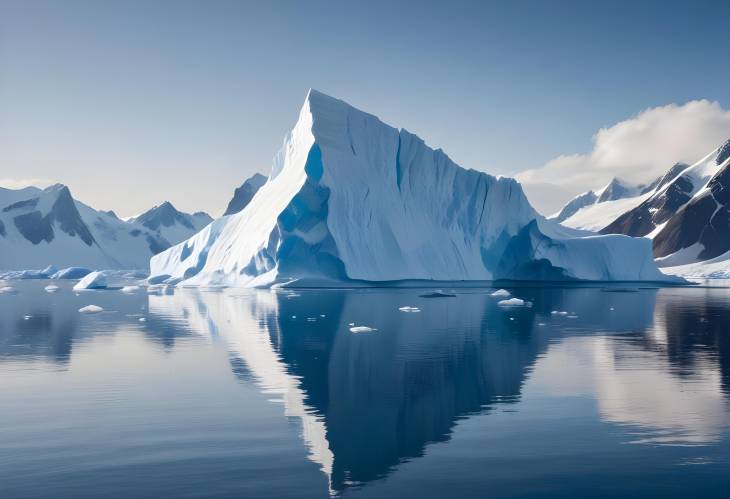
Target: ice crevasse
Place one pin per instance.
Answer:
(350, 198)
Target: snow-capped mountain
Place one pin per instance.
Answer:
(686, 212)
(48, 227)
(171, 224)
(350, 198)
(243, 194)
(689, 216)
(593, 210)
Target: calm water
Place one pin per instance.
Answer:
(264, 394)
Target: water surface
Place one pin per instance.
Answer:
(243, 393)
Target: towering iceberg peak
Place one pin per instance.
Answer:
(350, 198)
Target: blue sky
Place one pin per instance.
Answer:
(132, 103)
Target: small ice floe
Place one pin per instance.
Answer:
(409, 309)
(95, 280)
(501, 293)
(27, 317)
(558, 312)
(8, 290)
(130, 289)
(511, 302)
(91, 309)
(322, 315)
(351, 324)
(51, 288)
(311, 319)
(437, 294)
(293, 316)
(362, 329)
(540, 324)
(572, 316)
(611, 309)
(511, 318)
(142, 319)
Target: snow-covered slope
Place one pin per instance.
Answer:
(243, 194)
(171, 224)
(593, 210)
(351, 198)
(48, 227)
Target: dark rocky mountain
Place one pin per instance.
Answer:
(243, 194)
(693, 202)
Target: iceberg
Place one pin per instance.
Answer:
(95, 280)
(351, 199)
(71, 273)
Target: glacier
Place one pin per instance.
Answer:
(351, 200)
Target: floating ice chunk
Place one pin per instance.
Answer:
(362, 329)
(322, 315)
(51, 288)
(95, 280)
(540, 324)
(130, 289)
(409, 309)
(49, 271)
(512, 302)
(91, 309)
(572, 316)
(27, 317)
(351, 324)
(142, 319)
(501, 293)
(8, 290)
(558, 312)
(71, 273)
(437, 294)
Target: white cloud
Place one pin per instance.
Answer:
(19, 183)
(637, 150)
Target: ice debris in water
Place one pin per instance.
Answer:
(501, 293)
(130, 289)
(512, 302)
(91, 309)
(142, 319)
(362, 329)
(409, 309)
(558, 312)
(8, 290)
(51, 288)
